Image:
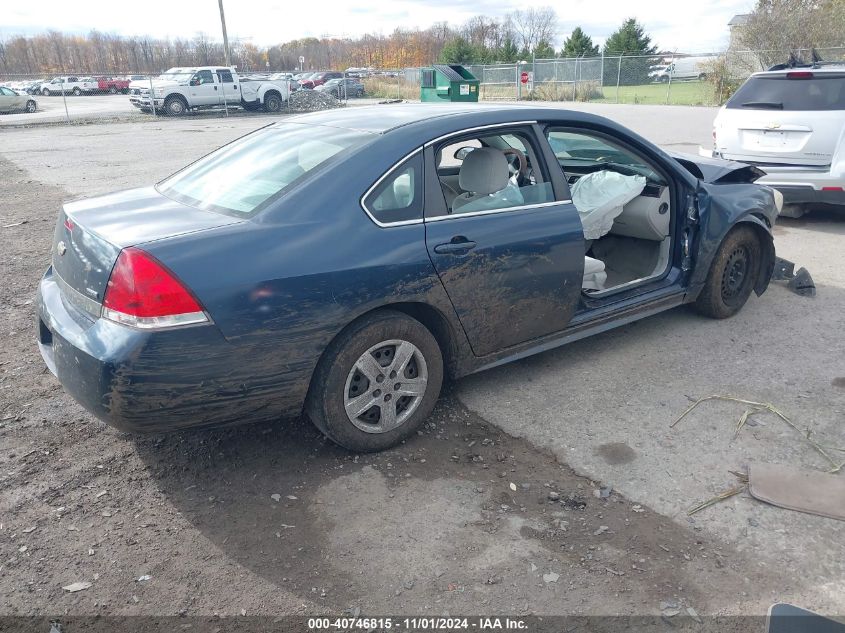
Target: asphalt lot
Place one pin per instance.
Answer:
(432, 526)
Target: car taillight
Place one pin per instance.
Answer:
(801, 74)
(142, 293)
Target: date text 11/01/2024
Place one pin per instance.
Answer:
(417, 624)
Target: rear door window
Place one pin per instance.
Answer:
(797, 90)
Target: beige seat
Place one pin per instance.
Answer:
(484, 177)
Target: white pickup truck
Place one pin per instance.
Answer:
(179, 90)
(68, 85)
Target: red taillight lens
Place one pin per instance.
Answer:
(831, 188)
(142, 293)
(800, 74)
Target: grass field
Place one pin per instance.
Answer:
(678, 93)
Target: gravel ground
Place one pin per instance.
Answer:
(274, 520)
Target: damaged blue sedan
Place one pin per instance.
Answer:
(344, 263)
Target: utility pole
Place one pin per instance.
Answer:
(226, 58)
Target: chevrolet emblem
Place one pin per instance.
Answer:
(772, 126)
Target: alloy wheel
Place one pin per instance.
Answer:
(385, 386)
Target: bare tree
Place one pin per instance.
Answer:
(777, 27)
(533, 25)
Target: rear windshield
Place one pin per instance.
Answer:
(778, 92)
(245, 176)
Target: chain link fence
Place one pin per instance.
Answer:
(668, 78)
(70, 97)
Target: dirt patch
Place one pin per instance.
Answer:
(838, 382)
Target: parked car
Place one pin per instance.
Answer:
(318, 79)
(112, 85)
(207, 87)
(13, 101)
(791, 124)
(342, 88)
(69, 85)
(303, 79)
(156, 315)
(33, 87)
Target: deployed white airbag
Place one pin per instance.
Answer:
(600, 197)
(594, 274)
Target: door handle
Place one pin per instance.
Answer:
(458, 245)
(215, 87)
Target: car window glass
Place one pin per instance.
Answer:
(205, 77)
(243, 177)
(507, 172)
(780, 92)
(398, 198)
(225, 76)
(579, 153)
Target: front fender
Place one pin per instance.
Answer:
(721, 208)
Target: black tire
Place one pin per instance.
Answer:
(732, 275)
(175, 106)
(45, 93)
(31, 106)
(335, 380)
(272, 102)
(76, 92)
(112, 90)
(359, 93)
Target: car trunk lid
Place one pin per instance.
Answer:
(90, 234)
(791, 118)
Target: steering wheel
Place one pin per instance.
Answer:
(517, 164)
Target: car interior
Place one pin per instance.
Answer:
(623, 202)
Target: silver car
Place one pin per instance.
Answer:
(11, 101)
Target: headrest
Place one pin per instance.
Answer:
(483, 171)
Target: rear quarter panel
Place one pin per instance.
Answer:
(283, 285)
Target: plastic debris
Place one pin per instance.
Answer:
(77, 586)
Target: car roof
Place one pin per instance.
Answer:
(383, 118)
(828, 67)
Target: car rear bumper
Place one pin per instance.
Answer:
(799, 184)
(142, 381)
(807, 194)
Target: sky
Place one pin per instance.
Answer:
(691, 26)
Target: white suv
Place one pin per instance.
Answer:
(791, 124)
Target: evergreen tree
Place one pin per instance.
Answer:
(632, 47)
(579, 44)
(629, 39)
(458, 51)
(508, 53)
(544, 50)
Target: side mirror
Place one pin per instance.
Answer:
(463, 152)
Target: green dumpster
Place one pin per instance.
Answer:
(448, 82)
